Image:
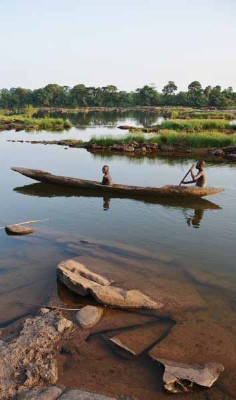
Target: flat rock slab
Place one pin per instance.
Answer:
(201, 374)
(76, 394)
(18, 230)
(137, 340)
(197, 342)
(49, 393)
(79, 278)
(120, 298)
(89, 316)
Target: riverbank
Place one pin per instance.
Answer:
(20, 122)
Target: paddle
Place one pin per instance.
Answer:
(185, 176)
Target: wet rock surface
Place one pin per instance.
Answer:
(28, 360)
(18, 230)
(79, 278)
(82, 281)
(201, 374)
(121, 298)
(89, 316)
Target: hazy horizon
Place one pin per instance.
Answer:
(127, 43)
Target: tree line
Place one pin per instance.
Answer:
(54, 95)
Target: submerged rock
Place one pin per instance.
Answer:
(28, 360)
(137, 340)
(201, 374)
(18, 230)
(77, 394)
(49, 393)
(121, 298)
(89, 316)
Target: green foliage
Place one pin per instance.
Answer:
(196, 125)
(54, 95)
(30, 110)
(53, 124)
(202, 139)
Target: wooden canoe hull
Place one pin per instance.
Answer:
(135, 191)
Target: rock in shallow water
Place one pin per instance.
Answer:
(28, 360)
(89, 316)
(76, 394)
(201, 374)
(79, 278)
(121, 298)
(49, 393)
(18, 230)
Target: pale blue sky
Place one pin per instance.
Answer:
(128, 43)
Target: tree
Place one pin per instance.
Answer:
(147, 96)
(196, 96)
(170, 88)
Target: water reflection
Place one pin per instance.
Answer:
(82, 120)
(198, 205)
(195, 219)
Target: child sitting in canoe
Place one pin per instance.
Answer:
(106, 180)
(200, 178)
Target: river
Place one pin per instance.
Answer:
(151, 240)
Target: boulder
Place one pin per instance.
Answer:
(89, 316)
(201, 374)
(231, 157)
(79, 278)
(120, 298)
(18, 230)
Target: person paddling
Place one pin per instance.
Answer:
(200, 178)
(106, 180)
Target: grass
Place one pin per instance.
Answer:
(204, 139)
(36, 123)
(197, 125)
(193, 114)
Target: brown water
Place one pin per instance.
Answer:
(182, 253)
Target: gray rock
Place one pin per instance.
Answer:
(120, 298)
(201, 374)
(77, 394)
(50, 393)
(79, 278)
(89, 316)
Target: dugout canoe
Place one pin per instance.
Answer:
(132, 191)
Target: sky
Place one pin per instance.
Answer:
(127, 43)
